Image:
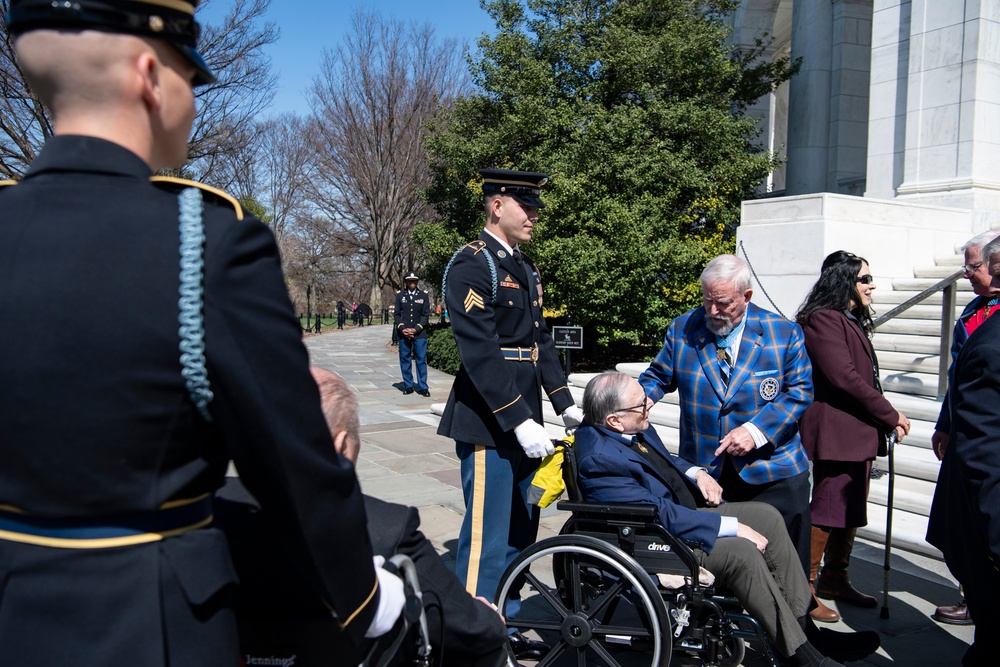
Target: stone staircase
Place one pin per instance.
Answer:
(908, 349)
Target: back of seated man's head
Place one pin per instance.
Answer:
(340, 408)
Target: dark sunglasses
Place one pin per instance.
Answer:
(866, 280)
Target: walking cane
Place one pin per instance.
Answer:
(890, 445)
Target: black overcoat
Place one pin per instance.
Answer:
(964, 521)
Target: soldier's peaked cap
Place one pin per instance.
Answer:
(524, 186)
(169, 20)
(412, 275)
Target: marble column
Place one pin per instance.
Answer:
(809, 98)
(952, 144)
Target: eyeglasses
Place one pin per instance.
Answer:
(866, 280)
(642, 408)
(971, 268)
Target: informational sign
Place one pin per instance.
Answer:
(568, 337)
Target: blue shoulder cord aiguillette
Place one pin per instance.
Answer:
(489, 261)
(192, 329)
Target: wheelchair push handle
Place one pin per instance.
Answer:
(384, 650)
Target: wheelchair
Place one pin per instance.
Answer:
(605, 604)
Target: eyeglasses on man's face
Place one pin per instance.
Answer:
(971, 268)
(866, 280)
(642, 408)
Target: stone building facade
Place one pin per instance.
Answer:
(891, 131)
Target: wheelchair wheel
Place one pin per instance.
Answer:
(604, 609)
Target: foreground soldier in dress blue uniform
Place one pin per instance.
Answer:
(494, 296)
(107, 555)
(412, 311)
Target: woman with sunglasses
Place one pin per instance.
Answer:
(845, 427)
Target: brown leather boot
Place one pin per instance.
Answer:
(821, 613)
(833, 582)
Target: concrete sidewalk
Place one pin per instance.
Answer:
(403, 460)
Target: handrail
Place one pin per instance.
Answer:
(947, 286)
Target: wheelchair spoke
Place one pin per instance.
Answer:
(529, 624)
(607, 598)
(603, 653)
(553, 655)
(547, 593)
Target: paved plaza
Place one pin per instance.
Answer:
(403, 460)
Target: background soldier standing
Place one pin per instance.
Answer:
(107, 552)
(412, 310)
(494, 412)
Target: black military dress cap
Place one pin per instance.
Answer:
(524, 186)
(412, 275)
(169, 20)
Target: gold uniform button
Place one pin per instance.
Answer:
(534, 303)
(510, 303)
(536, 325)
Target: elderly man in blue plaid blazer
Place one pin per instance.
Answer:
(743, 378)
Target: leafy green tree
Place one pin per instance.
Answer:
(635, 110)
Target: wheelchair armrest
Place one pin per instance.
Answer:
(609, 509)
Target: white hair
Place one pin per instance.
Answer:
(727, 269)
(979, 241)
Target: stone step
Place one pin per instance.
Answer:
(889, 360)
(910, 494)
(908, 530)
(923, 408)
(920, 284)
(884, 300)
(921, 311)
(912, 327)
(921, 384)
(956, 260)
(937, 272)
(903, 342)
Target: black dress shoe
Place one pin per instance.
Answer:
(424, 393)
(843, 646)
(408, 390)
(526, 649)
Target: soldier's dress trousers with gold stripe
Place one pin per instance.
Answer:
(508, 359)
(107, 555)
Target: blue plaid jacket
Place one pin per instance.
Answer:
(771, 387)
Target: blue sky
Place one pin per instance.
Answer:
(309, 26)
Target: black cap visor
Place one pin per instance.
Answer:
(528, 200)
(203, 74)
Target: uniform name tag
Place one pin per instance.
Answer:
(418, 301)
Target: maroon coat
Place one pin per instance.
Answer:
(848, 415)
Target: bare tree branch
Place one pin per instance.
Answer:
(371, 103)
(226, 109)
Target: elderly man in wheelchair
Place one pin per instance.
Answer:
(634, 566)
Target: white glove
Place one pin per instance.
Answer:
(391, 599)
(534, 440)
(572, 416)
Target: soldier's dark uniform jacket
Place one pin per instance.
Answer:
(98, 432)
(493, 394)
(412, 312)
